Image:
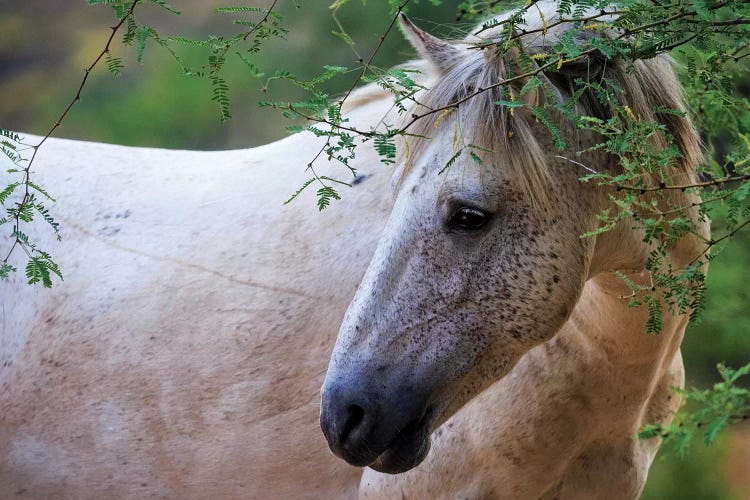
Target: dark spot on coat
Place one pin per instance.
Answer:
(359, 179)
(108, 231)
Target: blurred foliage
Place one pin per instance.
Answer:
(697, 477)
(724, 331)
(151, 104)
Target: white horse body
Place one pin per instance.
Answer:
(183, 354)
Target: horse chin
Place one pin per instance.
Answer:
(407, 450)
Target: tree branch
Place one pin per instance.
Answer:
(27, 171)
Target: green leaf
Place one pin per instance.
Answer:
(554, 130)
(510, 104)
(114, 65)
(299, 191)
(40, 269)
(9, 189)
(189, 41)
(231, 10)
(344, 36)
(41, 190)
(451, 161)
(655, 322)
(386, 148)
(325, 195)
(164, 5)
(713, 428)
(650, 431)
(141, 37)
(5, 270)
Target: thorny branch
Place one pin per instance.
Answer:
(662, 186)
(626, 33)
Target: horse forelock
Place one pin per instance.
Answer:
(647, 86)
(479, 124)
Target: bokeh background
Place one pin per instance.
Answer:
(44, 45)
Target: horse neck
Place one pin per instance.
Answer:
(607, 324)
(604, 321)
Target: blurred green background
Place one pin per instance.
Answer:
(45, 44)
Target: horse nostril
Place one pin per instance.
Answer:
(348, 419)
(356, 414)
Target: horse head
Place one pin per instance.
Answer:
(482, 257)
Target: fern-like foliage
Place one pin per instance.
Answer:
(40, 269)
(18, 199)
(706, 412)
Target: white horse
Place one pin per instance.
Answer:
(485, 321)
(183, 354)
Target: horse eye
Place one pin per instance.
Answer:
(468, 218)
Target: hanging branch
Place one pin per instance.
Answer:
(326, 189)
(628, 33)
(682, 187)
(19, 238)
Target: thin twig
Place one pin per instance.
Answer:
(711, 243)
(354, 84)
(247, 34)
(682, 187)
(506, 21)
(490, 6)
(27, 170)
(682, 209)
(540, 69)
(524, 32)
(585, 167)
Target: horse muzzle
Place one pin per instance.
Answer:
(389, 434)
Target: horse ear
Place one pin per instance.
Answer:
(590, 68)
(437, 51)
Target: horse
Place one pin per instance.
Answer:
(490, 351)
(183, 354)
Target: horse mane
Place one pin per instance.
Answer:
(648, 86)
